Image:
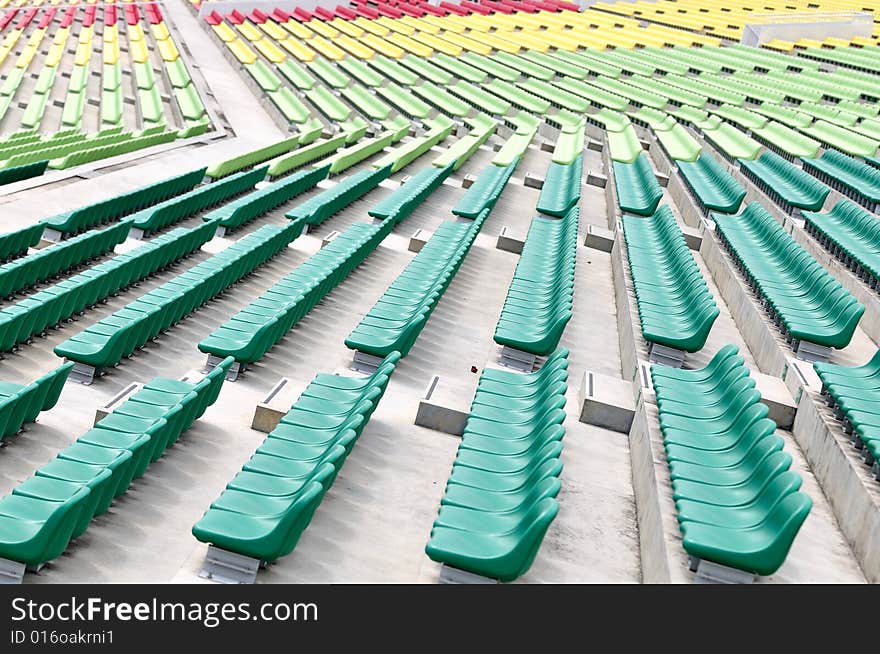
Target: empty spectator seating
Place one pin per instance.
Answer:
(106, 342)
(47, 307)
(21, 404)
(252, 158)
(16, 243)
(714, 188)
(538, 303)
(396, 320)
(320, 207)
(562, 187)
(500, 497)
(248, 335)
(806, 302)
(46, 511)
(396, 206)
(853, 392)
(850, 176)
(114, 208)
(785, 183)
(264, 510)
(638, 190)
(485, 191)
(737, 503)
(676, 309)
(176, 209)
(852, 235)
(43, 264)
(233, 215)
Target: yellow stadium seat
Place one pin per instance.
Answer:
(347, 27)
(353, 47)
(395, 25)
(160, 31)
(271, 51)
(54, 55)
(324, 29)
(410, 45)
(299, 30)
(249, 31)
(298, 49)
(225, 32)
(61, 36)
(467, 43)
(531, 40)
(497, 42)
(382, 46)
(138, 51)
(85, 34)
(438, 44)
(135, 32)
(167, 50)
(83, 54)
(425, 26)
(241, 51)
(273, 30)
(371, 26)
(110, 53)
(326, 48)
(442, 23)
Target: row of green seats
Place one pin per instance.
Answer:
(328, 104)
(714, 188)
(320, 207)
(500, 497)
(482, 127)
(25, 171)
(32, 315)
(251, 158)
(108, 341)
(514, 148)
(396, 320)
(94, 214)
(785, 183)
(90, 151)
(638, 190)
(835, 136)
(555, 95)
(539, 300)
(675, 305)
(803, 298)
(517, 96)
(852, 235)
(485, 191)
(441, 100)
(731, 142)
(405, 154)
(46, 263)
(256, 203)
(562, 188)
(624, 144)
(20, 404)
(570, 143)
(396, 206)
(306, 154)
(365, 102)
(740, 117)
(404, 101)
(16, 243)
(738, 504)
(678, 144)
(188, 204)
(264, 510)
(852, 177)
(852, 392)
(45, 512)
(786, 141)
(354, 154)
(254, 330)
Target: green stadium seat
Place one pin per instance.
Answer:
(638, 190)
(785, 183)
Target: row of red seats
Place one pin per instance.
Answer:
(396, 9)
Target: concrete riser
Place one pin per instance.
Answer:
(765, 345)
(853, 494)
